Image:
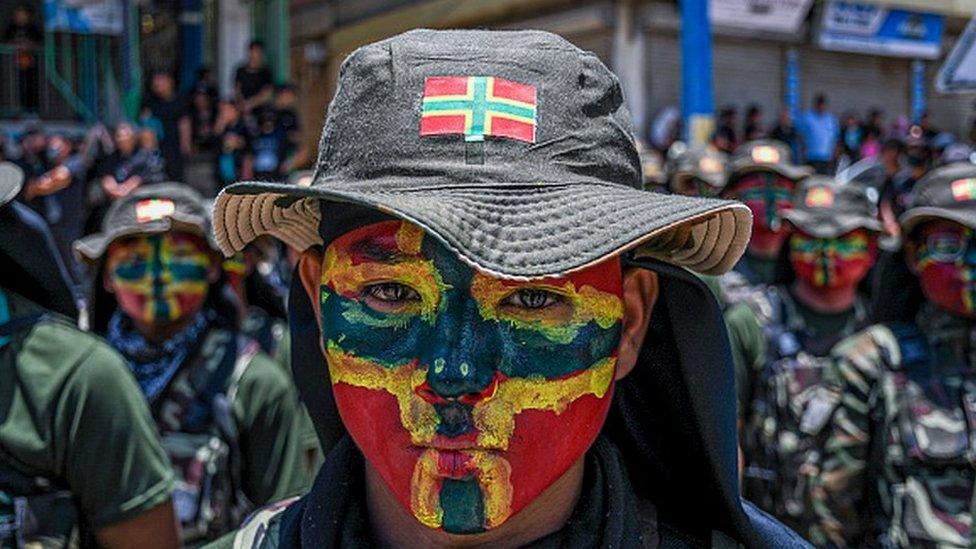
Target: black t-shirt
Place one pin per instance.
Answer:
(22, 34)
(169, 112)
(252, 82)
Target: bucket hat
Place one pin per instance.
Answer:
(947, 192)
(704, 163)
(513, 148)
(765, 155)
(149, 209)
(824, 209)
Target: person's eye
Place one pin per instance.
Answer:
(533, 298)
(945, 245)
(389, 296)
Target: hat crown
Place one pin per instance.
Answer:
(952, 186)
(432, 108)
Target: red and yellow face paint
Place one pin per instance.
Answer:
(469, 395)
(945, 260)
(159, 278)
(833, 262)
(767, 195)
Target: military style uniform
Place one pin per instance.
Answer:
(777, 442)
(229, 416)
(78, 448)
(898, 412)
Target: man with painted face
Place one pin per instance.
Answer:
(80, 462)
(229, 417)
(762, 176)
(896, 467)
(832, 246)
(485, 317)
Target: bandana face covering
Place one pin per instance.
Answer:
(832, 262)
(767, 195)
(468, 394)
(945, 260)
(159, 278)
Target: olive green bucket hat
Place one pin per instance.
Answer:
(824, 209)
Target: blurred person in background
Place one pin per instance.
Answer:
(229, 417)
(202, 115)
(122, 169)
(851, 138)
(695, 171)
(24, 34)
(726, 136)
(176, 140)
(253, 84)
(785, 132)
(832, 246)
(234, 160)
(153, 169)
(269, 145)
(753, 127)
(896, 466)
(286, 108)
(81, 464)
(819, 131)
(870, 144)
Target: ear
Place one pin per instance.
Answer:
(107, 280)
(310, 273)
(911, 256)
(640, 293)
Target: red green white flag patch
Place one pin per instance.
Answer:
(478, 106)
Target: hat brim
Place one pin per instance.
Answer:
(516, 231)
(915, 216)
(682, 177)
(789, 171)
(830, 225)
(11, 181)
(91, 248)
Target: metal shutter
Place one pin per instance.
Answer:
(663, 71)
(855, 82)
(746, 72)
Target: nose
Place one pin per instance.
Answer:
(461, 364)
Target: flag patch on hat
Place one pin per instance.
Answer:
(765, 155)
(478, 106)
(153, 209)
(964, 189)
(820, 197)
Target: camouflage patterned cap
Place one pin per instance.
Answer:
(824, 209)
(703, 163)
(947, 192)
(765, 155)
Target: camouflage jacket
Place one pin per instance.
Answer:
(777, 443)
(898, 414)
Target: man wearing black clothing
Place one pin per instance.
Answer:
(170, 109)
(252, 81)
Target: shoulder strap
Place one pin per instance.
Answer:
(913, 346)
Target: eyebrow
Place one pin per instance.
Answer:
(370, 249)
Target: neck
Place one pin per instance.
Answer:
(395, 527)
(156, 333)
(824, 300)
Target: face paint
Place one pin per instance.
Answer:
(236, 271)
(832, 262)
(159, 278)
(468, 394)
(767, 195)
(945, 260)
(695, 187)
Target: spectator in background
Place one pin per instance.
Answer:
(296, 154)
(819, 131)
(207, 84)
(785, 131)
(871, 143)
(252, 80)
(928, 130)
(31, 160)
(122, 170)
(60, 193)
(153, 169)
(202, 114)
(875, 121)
(234, 160)
(177, 136)
(753, 128)
(26, 36)
(725, 137)
(851, 137)
(269, 147)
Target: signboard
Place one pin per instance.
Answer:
(871, 28)
(84, 16)
(958, 73)
(783, 16)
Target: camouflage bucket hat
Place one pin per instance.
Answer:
(824, 209)
(948, 192)
(149, 209)
(513, 148)
(704, 163)
(765, 156)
